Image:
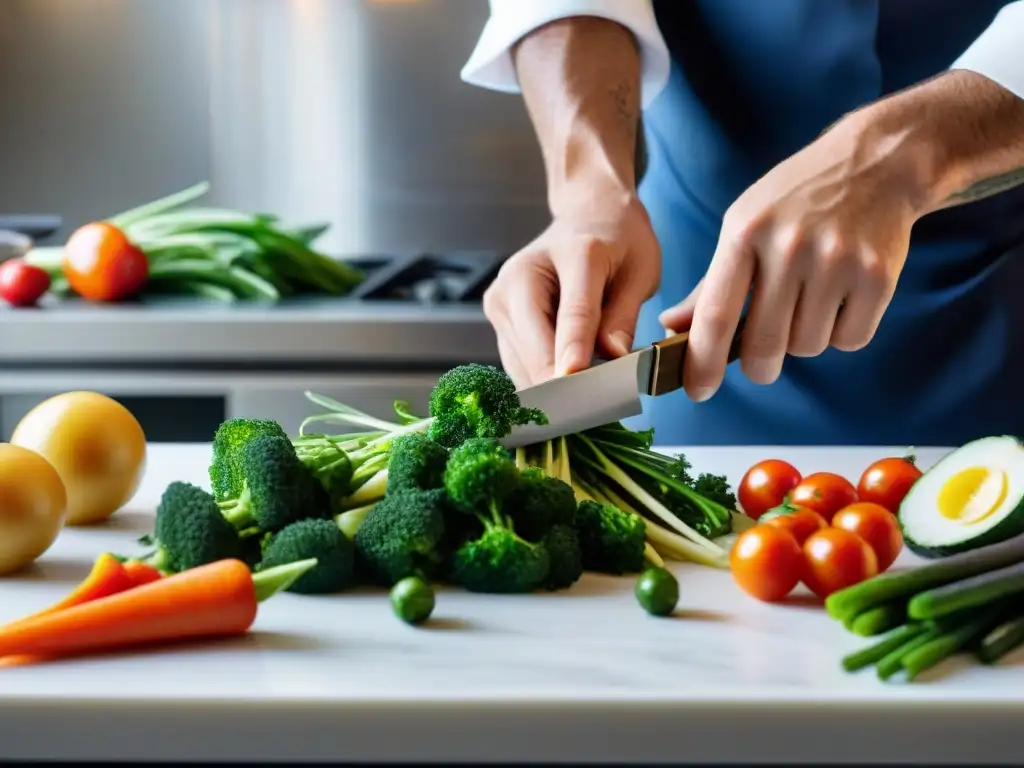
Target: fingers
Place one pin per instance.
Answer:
(582, 280)
(826, 286)
(629, 289)
(863, 309)
(680, 317)
(715, 317)
(526, 345)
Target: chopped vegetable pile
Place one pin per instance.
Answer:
(420, 501)
(171, 246)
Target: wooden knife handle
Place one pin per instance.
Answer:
(668, 372)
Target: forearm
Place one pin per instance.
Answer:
(580, 79)
(960, 137)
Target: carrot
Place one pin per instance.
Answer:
(215, 600)
(107, 577)
(141, 573)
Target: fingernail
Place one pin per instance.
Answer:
(622, 342)
(700, 394)
(762, 370)
(572, 359)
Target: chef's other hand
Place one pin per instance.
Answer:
(574, 290)
(817, 243)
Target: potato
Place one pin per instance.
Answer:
(33, 503)
(97, 447)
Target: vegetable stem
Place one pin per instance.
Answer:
(968, 593)
(878, 651)
(277, 579)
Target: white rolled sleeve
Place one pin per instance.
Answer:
(998, 53)
(490, 65)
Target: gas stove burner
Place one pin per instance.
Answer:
(428, 278)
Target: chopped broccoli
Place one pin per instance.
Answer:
(330, 465)
(313, 539)
(563, 546)
(540, 502)
(476, 401)
(480, 475)
(500, 562)
(399, 537)
(277, 488)
(232, 436)
(190, 530)
(715, 488)
(612, 540)
(415, 462)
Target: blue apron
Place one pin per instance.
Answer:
(754, 81)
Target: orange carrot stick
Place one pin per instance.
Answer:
(141, 573)
(215, 600)
(107, 577)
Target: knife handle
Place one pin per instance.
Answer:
(668, 367)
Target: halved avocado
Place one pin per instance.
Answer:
(972, 497)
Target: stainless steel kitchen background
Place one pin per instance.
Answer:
(349, 111)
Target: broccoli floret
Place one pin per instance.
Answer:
(716, 488)
(415, 462)
(319, 539)
(226, 475)
(277, 488)
(476, 401)
(190, 530)
(612, 539)
(500, 562)
(399, 537)
(540, 502)
(480, 476)
(563, 546)
(330, 465)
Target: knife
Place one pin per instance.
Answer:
(608, 391)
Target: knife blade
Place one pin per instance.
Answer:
(608, 391)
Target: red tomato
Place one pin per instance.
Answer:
(766, 562)
(102, 264)
(824, 492)
(21, 284)
(801, 522)
(835, 559)
(887, 481)
(877, 526)
(765, 485)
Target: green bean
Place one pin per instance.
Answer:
(927, 655)
(977, 591)
(878, 651)
(161, 205)
(878, 620)
(1001, 640)
(892, 662)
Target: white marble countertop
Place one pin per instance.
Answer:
(582, 675)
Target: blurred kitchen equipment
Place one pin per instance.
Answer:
(347, 112)
(18, 233)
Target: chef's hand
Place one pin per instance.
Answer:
(818, 243)
(577, 288)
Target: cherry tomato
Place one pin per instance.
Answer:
(766, 562)
(22, 284)
(887, 481)
(835, 559)
(102, 264)
(801, 522)
(877, 526)
(824, 492)
(765, 485)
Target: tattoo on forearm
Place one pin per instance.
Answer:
(989, 187)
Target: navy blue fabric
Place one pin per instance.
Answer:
(755, 81)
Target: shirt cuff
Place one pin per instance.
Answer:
(490, 65)
(998, 53)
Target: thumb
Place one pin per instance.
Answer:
(581, 294)
(679, 317)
